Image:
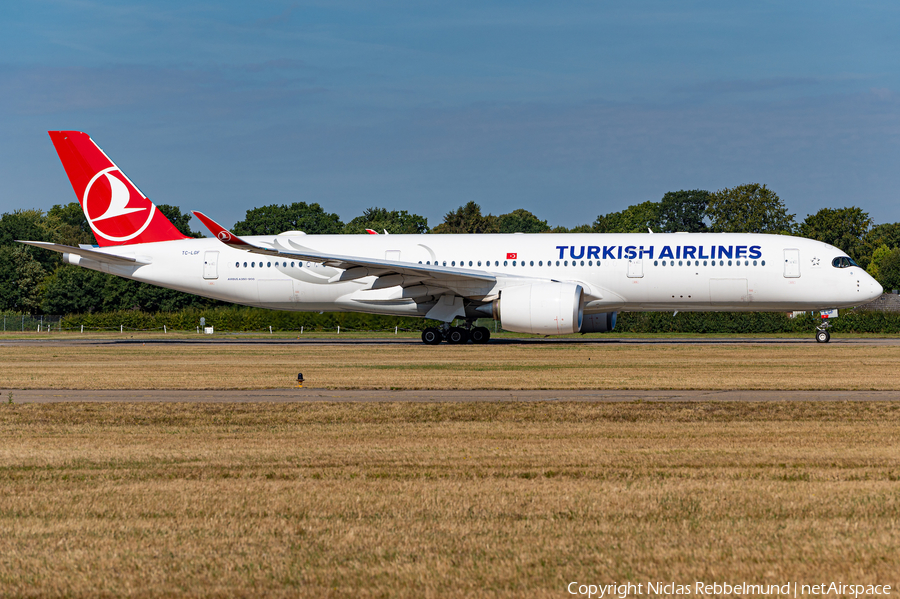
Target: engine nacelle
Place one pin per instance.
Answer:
(542, 308)
(599, 323)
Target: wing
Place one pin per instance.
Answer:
(464, 282)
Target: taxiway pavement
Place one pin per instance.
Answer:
(431, 396)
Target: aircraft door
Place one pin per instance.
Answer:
(791, 263)
(210, 268)
(635, 268)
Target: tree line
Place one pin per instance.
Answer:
(35, 281)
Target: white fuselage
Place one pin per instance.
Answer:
(628, 272)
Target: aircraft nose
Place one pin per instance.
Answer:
(874, 288)
(877, 289)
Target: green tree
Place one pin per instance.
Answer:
(393, 221)
(23, 224)
(751, 208)
(76, 290)
(889, 270)
(683, 211)
(299, 216)
(634, 219)
(844, 228)
(179, 220)
(29, 225)
(874, 265)
(887, 234)
(21, 276)
(521, 221)
(578, 229)
(69, 225)
(468, 219)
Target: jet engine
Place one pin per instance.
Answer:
(599, 323)
(542, 308)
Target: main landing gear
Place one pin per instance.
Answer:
(456, 335)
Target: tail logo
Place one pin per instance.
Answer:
(224, 236)
(106, 206)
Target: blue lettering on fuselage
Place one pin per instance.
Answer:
(630, 252)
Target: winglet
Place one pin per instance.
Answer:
(221, 233)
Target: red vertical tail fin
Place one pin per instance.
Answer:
(116, 210)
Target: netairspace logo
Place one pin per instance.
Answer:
(718, 589)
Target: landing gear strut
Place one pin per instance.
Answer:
(822, 334)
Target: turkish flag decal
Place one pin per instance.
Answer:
(511, 255)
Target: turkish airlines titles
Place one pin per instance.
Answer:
(631, 252)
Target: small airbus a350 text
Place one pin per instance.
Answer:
(551, 284)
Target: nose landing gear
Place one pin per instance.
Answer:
(822, 334)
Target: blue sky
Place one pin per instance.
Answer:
(569, 110)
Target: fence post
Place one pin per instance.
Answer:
(82, 328)
(270, 329)
(395, 330)
(301, 329)
(164, 330)
(121, 328)
(339, 329)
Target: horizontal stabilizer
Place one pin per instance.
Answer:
(95, 255)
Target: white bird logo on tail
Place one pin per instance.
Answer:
(118, 201)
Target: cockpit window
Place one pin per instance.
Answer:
(843, 262)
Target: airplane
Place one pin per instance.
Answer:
(549, 284)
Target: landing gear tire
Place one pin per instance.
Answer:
(457, 335)
(432, 336)
(480, 335)
(823, 336)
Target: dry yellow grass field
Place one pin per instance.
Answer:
(442, 500)
(536, 366)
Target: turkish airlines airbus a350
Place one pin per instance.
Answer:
(551, 284)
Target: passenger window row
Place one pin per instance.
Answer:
(710, 263)
(487, 263)
(267, 265)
